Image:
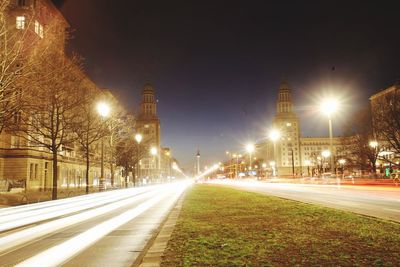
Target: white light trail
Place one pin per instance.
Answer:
(29, 234)
(19, 219)
(61, 253)
(208, 171)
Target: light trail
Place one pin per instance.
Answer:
(26, 235)
(52, 203)
(209, 171)
(61, 253)
(19, 219)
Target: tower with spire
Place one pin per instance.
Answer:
(288, 156)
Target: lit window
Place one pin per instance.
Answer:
(20, 22)
(38, 29)
(288, 124)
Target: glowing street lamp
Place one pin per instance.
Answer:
(329, 107)
(153, 151)
(250, 149)
(325, 154)
(373, 144)
(274, 135)
(104, 110)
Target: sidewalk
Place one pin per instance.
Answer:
(333, 181)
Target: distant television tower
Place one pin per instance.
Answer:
(198, 162)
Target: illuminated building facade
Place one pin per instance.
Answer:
(148, 124)
(292, 153)
(40, 20)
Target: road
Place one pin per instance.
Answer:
(103, 229)
(376, 201)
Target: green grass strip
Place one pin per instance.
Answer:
(219, 226)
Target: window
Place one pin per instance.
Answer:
(20, 22)
(36, 170)
(21, 2)
(39, 29)
(31, 166)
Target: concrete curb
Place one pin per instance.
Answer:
(152, 257)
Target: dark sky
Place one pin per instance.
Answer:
(216, 65)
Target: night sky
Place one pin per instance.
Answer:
(216, 65)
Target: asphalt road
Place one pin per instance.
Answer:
(103, 229)
(376, 201)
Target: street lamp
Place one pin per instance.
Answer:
(329, 107)
(250, 149)
(374, 145)
(274, 135)
(308, 163)
(104, 110)
(138, 138)
(342, 162)
(272, 164)
(325, 154)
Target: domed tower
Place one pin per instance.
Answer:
(148, 106)
(288, 156)
(148, 124)
(284, 104)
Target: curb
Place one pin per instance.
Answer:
(155, 251)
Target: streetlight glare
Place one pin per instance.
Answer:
(329, 106)
(103, 109)
(274, 135)
(250, 148)
(326, 153)
(138, 138)
(373, 144)
(153, 151)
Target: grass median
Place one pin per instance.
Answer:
(219, 226)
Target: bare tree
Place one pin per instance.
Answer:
(359, 141)
(88, 127)
(129, 153)
(117, 124)
(13, 64)
(386, 119)
(51, 105)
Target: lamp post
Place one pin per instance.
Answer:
(250, 149)
(274, 135)
(153, 152)
(138, 138)
(342, 162)
(272, 164)
(328, 107)
(374, 145)
(104, 110)
(308, 163)
(325, 154)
